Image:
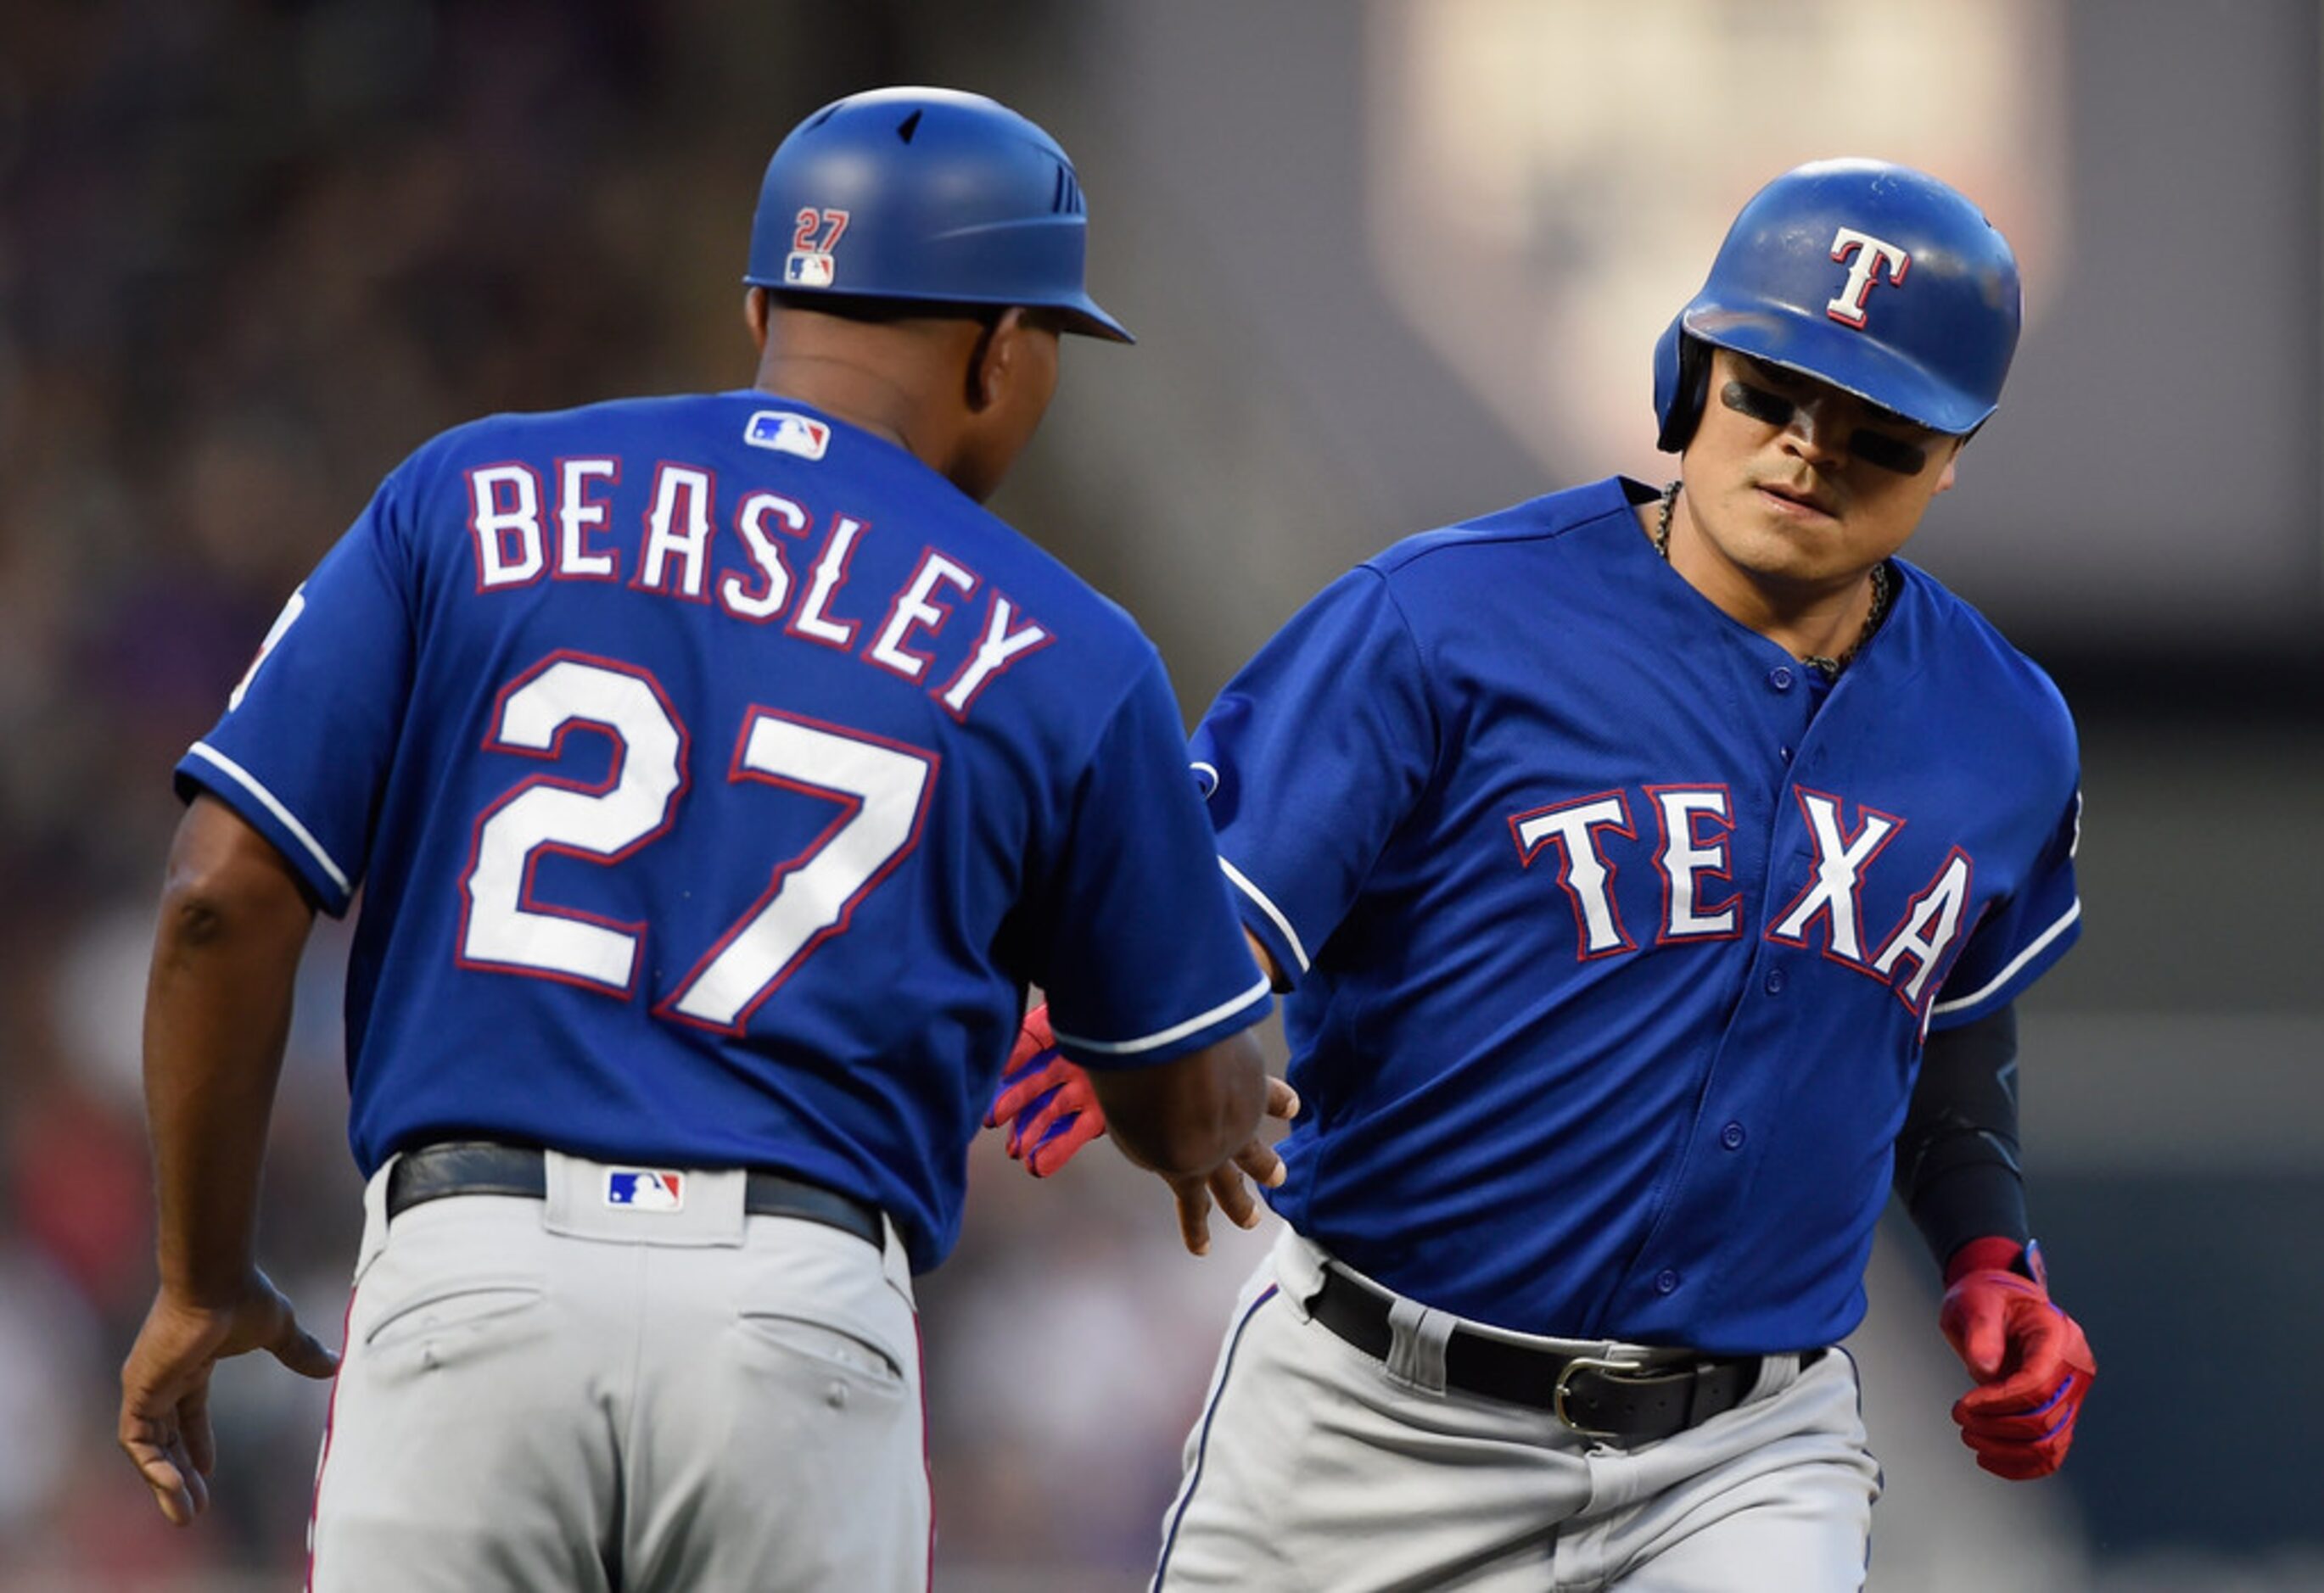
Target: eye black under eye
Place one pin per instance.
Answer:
(1770, 409)
(1883, 452)
(1876, 449)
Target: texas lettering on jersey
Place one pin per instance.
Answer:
(1631, 925)
(1690, 851)
(519, 538)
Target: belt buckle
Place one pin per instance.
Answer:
(1596, 1363)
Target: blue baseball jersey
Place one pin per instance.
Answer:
(717, 776)
(1616, 932)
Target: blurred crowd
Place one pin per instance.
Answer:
(250, 255)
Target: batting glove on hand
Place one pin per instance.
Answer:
(2033, 1365)
(1049, 1103)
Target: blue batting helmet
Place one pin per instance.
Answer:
(1875, 278)
(926, 193)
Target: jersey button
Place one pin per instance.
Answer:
(1775, 981)
(1666, 1280)
(1780, 677)
(1732, 1137)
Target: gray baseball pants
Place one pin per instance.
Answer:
(1317, 1469)
(555, 1394)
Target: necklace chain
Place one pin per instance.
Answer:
(1882, 591)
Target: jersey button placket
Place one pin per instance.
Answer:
(1775, 981)
(1781, 679)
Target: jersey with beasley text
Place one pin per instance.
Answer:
(717, 776)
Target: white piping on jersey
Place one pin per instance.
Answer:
(289, 820)
(1274, 914)
(1176, 1031)
(2016, 962)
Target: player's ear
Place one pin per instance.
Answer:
(1952, 458)
(756, 307)
(994, 358)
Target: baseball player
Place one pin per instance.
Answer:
(1653, 873)
(717, 775)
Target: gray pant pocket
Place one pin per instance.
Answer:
(830, 1346)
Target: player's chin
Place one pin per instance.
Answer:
(1787, 554)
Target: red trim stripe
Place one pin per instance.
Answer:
(330, 1415)
(927, 1462)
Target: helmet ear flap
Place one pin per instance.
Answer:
(1681, 384)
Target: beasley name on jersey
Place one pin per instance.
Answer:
(717, 775)
(1617, 931)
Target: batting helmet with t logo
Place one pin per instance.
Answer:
(1873, 277)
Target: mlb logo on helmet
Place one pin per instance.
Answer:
(786, 433)
(645, 1189)
(812, 262)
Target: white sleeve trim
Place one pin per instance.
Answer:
(1274, 914)
(2016, 962)
(1176, 1031)
(290, 821)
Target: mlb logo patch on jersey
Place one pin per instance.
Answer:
(645, 1189)
(807, 268)
(786, 433)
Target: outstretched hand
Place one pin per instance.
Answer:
(1225, 1185)
(165, 1384)
(2032, 1364)
(1049, 1103)
(1052, 1111)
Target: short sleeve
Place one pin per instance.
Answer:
(1311, 758)
(2018, 941)
(1143, 960)
(303, 750)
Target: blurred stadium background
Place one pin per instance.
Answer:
(1393, 262)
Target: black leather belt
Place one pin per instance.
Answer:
(1597, 1398)
(480, 1167)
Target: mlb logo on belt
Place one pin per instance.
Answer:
(645, 1189)
(786, 433)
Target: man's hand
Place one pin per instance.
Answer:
(1047, 1102)
(1226, 1185)
(165, 1384)
(2032, 1364)
(1052, 1110)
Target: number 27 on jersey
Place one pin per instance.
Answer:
(882, 786)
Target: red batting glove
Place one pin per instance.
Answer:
(2033, 1365)
(1049, 1103)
